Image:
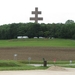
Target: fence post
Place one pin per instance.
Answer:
(44, 63)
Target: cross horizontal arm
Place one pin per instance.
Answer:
(33, 12)
(32, 18)
(40, 18)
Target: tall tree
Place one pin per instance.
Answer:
(69, 22)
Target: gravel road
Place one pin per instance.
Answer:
(69, 71)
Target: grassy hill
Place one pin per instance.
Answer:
(37, 43)
(61, 49)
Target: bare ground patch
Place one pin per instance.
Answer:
(37, 53)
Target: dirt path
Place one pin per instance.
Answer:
(70, 71)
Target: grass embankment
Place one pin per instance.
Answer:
(37, 43)
(24, 65)
(17, 65)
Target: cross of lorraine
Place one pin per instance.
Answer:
(36, 18)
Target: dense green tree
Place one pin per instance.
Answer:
(69, 22)
(13, 31)
(46, 34)
(59, 30)
(33, 30)
(73, 37)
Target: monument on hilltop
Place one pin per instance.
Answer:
(36, 18)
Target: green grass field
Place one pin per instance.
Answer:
(17, 65)
(37, 43)
(24, 65)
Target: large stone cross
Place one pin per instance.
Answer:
(36, 18)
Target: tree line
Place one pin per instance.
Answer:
(58, 30)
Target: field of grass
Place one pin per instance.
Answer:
(17, 65)
(23, 65)
(37, 43)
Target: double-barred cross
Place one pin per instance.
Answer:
(36, 18)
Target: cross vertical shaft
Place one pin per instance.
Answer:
(36, 15)
(36, 18)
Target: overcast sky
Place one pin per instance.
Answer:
(53, 11)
